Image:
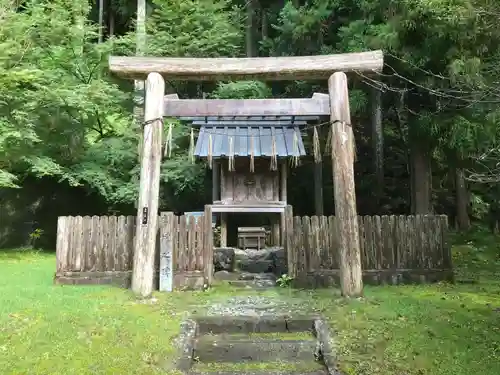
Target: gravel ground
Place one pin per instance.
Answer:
(255, 305)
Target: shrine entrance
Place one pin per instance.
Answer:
(257, 193)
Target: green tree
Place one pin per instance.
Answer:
(437, 81)
(54, 105)
(63, 116)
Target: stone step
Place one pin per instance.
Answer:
(260, 372)
(261, 368)
(254, 284)
(254, 324)
(254, 280)
(210, 348)
(259, 336)
(257, 276)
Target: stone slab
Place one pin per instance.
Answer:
(210, 349)
(186, 343)
(251, 324)
(226, 324)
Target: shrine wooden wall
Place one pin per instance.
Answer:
(243, 186)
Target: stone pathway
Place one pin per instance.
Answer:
(247, 279)
(257, 344)
(272, 302)
(257, 335)
(255, 305)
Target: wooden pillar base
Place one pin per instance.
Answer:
(223, 229)
(282, 229)
(283, 198)
(275, 232)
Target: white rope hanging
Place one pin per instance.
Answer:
(344, 137)
(274, 154)
(316, 146)
(231, 155)
(210, 152)
(168, 141)
(191, 146)
(328, 146)
(252, 160)
(295, 157)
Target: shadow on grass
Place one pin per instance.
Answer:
(24, 254)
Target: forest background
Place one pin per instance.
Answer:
(69, 131)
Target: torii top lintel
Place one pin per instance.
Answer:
(261, 68)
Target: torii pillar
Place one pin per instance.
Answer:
(351, 281)
(147, 210)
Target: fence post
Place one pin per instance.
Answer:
(166, 252)
(289, 245)
(62, 244)
(445, 244)
(208, 250)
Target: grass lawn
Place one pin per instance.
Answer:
(415, 330)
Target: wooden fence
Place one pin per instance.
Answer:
(394, 249)
(99, 250)
(94, 249)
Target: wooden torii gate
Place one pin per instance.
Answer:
(336, 105)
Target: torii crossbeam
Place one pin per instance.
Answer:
(335, 104)
(259, 68)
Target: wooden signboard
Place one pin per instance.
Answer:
(166, 252)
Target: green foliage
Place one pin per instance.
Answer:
(242, 90)
(441, 55)
(63, 116)
(200, 28)
(34, 237)
(284, 281)
(54, 93)
(181, 28)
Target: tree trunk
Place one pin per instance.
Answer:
(421, 178)
(141, 27)
(138, 84)
(80, 18)
(378, 146)
(318, 180)
(318, 189)
(250, 42)
(111, 30)
(461, 200)
(101, 20)
(265, 24)
(402, 116)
